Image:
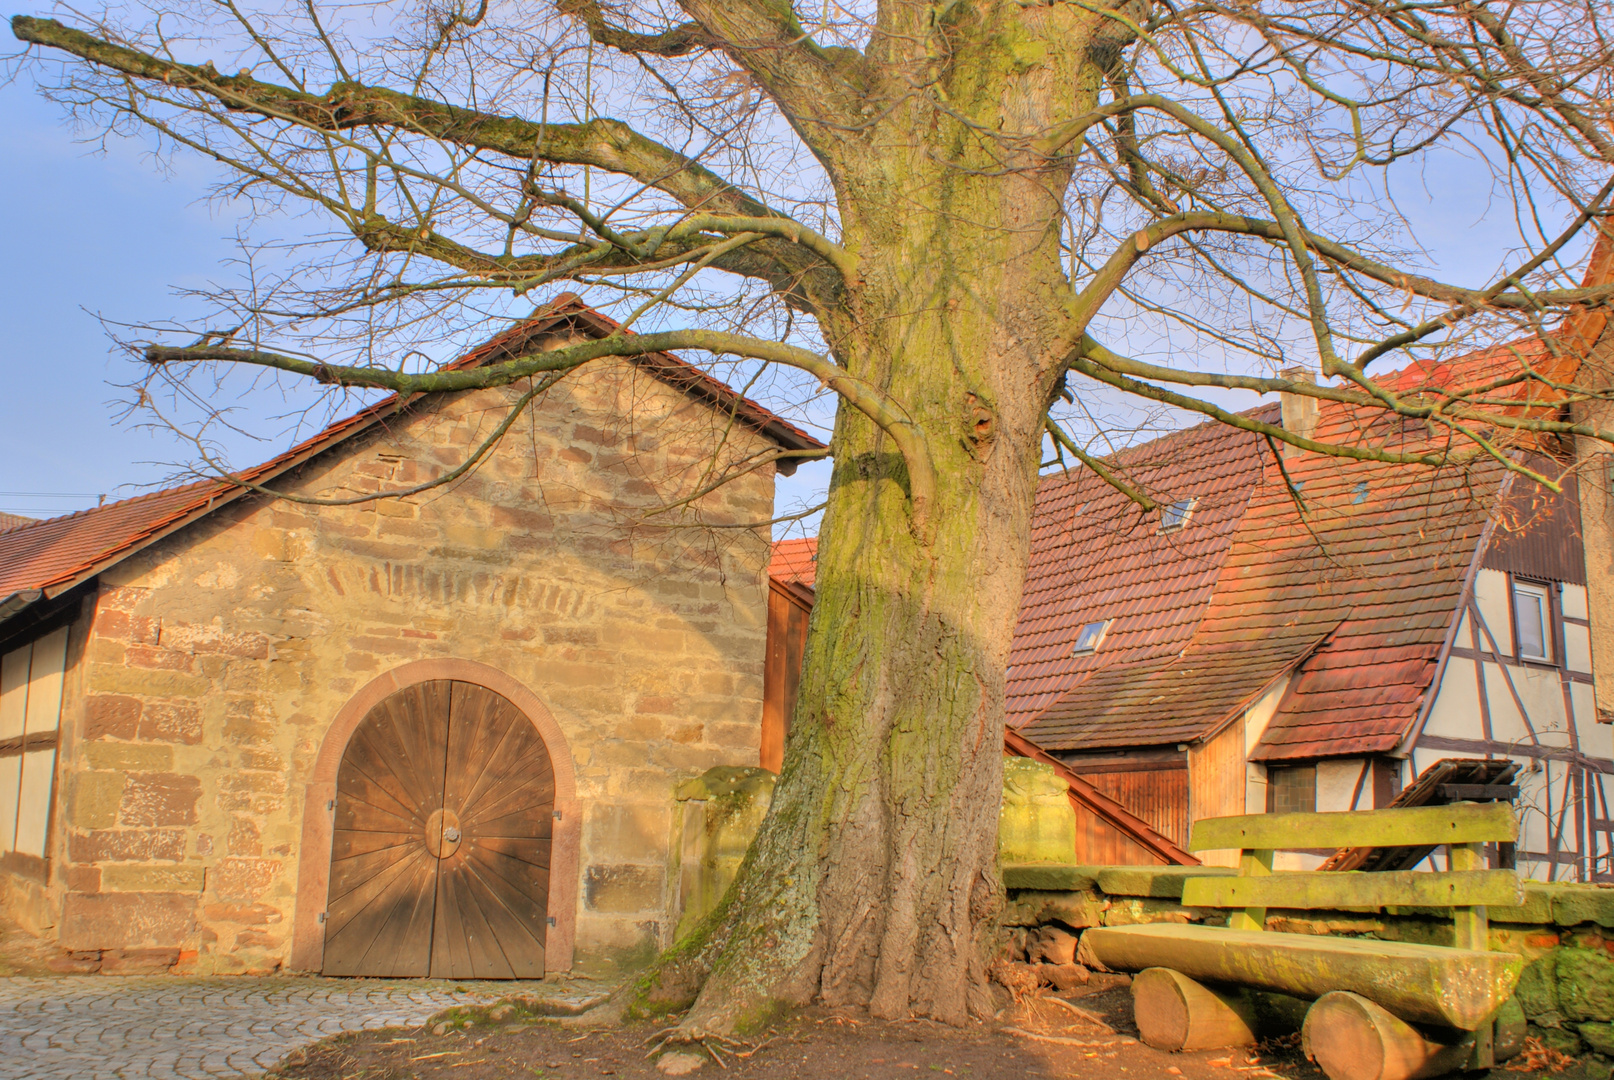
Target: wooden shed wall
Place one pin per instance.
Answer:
(1157, 795)
(789, 607)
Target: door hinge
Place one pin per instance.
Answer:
(331, 805)
(322, 915)
(557, 815)
(552, 920)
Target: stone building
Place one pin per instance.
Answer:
(438, 733)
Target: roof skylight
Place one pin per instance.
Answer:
(1176, 515)
(1091, 637)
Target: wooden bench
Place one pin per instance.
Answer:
(1381, 1010)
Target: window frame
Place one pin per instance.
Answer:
(1552, 650)
(1100, 634)
(1290, 770)
(1188, 507)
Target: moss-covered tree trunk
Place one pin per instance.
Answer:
(874, 882)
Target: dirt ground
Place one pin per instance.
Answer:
(1044, 1037)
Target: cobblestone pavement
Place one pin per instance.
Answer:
(164, 1026)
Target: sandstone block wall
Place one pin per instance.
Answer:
(214, 661)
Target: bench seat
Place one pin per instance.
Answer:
(1431, 984)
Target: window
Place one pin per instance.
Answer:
(1532, 621)
(1292, 790)
(1176, 515)
(1091, 637)
(30, 709)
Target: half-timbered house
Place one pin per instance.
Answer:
(1297, 632)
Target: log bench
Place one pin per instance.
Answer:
(1379, 1010)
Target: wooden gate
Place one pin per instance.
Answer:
(441, 845)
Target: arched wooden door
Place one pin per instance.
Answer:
(441, 843)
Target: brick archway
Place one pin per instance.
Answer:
(314, 854)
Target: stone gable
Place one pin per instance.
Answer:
(214, 662)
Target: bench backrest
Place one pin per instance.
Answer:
(1467, 888)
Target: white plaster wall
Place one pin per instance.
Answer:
(1491, 596)
(1256, 719)
(1336, 784)
(1573, 601)
(1578, 648)
(1456, 711)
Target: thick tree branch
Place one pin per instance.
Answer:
(679, 40)
(878, 406)
(821, 91)
(1102, 471)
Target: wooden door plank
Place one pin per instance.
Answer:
(353, 870)
(383, 881)
(355, 843)
(533, 850)
(492, 900)
(382, 929)
(364, 805)
(499, 759)
(510, 878)
(515, 920)
(472, 948)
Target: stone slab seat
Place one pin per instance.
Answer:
(1431, 984)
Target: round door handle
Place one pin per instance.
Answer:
(451, 834)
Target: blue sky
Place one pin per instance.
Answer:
(90, 233)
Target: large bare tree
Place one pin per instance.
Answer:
(969, 221)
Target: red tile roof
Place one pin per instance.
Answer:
(1096, 555)
(55, 554)
(1356, 596)
(795, 561)
(14, 521)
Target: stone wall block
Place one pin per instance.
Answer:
(204, 638)
(126, 920)
(243, 914)
(133, 877)
(633, 832)
(1572, 907)
(242, 881)
(172, 722)
(1538, 986)
(129, 757)
(622, 889)
(145, 682)
(160, 799)
(125, 598)
(126, 845)
(111, 716)
(1586, 984)
(158, 658)
(94, 799)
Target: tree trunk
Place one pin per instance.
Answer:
(873, 881)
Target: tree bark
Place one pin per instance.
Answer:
(873, 881)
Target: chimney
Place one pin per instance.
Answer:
(1299, 412)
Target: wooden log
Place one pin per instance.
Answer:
(1350, 1038)
(1508, 1031)
(1428, 984)
(1252, 864)
(1173, 1012)
(1460, 823)
(1330, 891)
